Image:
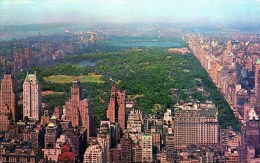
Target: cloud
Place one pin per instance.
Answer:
(14, 2)
(65, 1)
(35, 11)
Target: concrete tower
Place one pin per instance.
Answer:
(78, 110)
(32, 99)
(252, 129)
(8, 96)
(229, 47)
(147, 148)
(111, 110)
(257, 81)
(116, 111)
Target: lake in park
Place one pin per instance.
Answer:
(86, 63)
(149, 44)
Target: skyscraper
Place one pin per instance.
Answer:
(8, 96)
(195, 123)
(32, 100)
(111, 110)
(126, 150)
(147, 148)
(52, 132)
(156, 135)
(78, 110)
(252, 129)
(134, 121)
(104, 138)
(5, 118)
(257, 81)
(94, 154)
(169, 145)
(229, 47)
(116, 111)
(136, 153)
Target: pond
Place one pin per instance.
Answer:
(149, 44)
(86, 63)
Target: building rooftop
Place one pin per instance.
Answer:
(251, 147)
(30, 77)
(206, 109)
(51, 125)
(148, 136)
(258, 61)
(53, 117)
(68, 156)
(252, 115)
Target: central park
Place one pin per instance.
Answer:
(154, 78)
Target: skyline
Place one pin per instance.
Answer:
(19, 12)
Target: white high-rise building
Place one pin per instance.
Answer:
(32, 100)
(94, 154)
(134, 121)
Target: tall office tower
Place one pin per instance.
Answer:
(111, 110)
(8, 96)
(52, 132)
(78, 111)
(156, 135)
(94, 154)
(32, 99)
(136, 153)
(169, 145)
(105, 139)
(27, 54)
(229, 47)
(195, 123)
(252, 129)
(115, 155)
(134, 121)
(126, 150)
(257, 81)
(92, 37)
(116, 111)
(121, 100)
(5, 119)
(147, 148)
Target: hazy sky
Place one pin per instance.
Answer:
(128, 11)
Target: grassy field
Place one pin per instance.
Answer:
(93, 78)
(44, 93)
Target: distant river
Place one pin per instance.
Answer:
(149, 44)
(28, 33)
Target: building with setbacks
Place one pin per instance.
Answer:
(8, 100)
(78, 110)
(116, 111)
(94, 154)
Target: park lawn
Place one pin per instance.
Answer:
(93, 78)
(44, 93)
